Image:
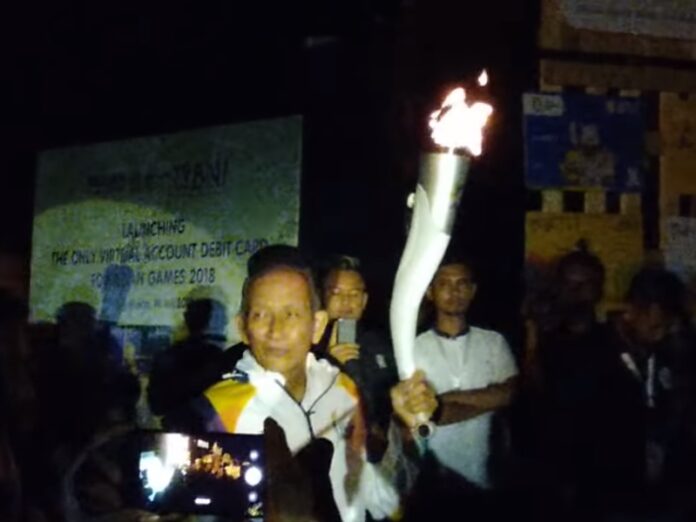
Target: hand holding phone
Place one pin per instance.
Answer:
(346, 331)
(345, 347)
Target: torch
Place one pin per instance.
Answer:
(457, 127)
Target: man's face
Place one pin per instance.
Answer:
(580, 285)
(344, 295)
(452, 289)
(648, 324)
(280, 325)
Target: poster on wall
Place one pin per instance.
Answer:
(677, 160)
(680, 247)
(615, 238)
(655, 28)
(655, 18)
(138, 230)
(677, 123)
(575, 140)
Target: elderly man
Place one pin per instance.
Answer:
(310, 399)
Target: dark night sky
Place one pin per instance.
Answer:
(363, 74)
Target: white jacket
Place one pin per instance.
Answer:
(330, 409)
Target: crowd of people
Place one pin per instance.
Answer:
(592, 418)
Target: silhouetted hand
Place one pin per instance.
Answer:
(299, 489)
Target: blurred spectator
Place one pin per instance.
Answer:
(566, 363)
(474, 375)
(652, 397)
(187, 368)
(23, 454)
(366, 356)
(17, 406)
(567, 304)
(82, 389)
(20, 394)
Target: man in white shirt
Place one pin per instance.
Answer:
(472, 371)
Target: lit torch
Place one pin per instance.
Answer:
(458, 128)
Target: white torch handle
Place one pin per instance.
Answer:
(435, 204)
(425, 247)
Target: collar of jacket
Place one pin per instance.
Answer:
(321, 375)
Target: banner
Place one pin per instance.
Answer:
(656, 18)
(136, 229)
(648, 28)
(583, 141)
(554, 73)
(677, 123)
(677, 159)
(680, 246)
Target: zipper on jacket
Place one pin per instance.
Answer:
(310, 411)
(299, 405)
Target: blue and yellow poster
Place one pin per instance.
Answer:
(576, 140)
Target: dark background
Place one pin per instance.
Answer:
(363, 73)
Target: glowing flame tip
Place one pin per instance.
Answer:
(483, 78)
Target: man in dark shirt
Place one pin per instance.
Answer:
(187, 368)
(568, 365)
(654, 349)
(369, 360)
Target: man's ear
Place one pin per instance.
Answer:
(474, 287)
(429, 293)
(364, 300)
(321, 319)
(240, 323)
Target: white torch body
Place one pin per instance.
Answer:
(435, 202)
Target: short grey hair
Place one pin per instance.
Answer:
(305, 272)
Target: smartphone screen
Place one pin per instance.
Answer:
(217, 474)
(346, 331)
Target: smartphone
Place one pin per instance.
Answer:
(210, 474)
(346, 331)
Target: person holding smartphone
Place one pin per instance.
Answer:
(364, 354)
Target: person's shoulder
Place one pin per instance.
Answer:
(231, 355)
(487, 336)
(234, 386)
(332, 378)
(489, 342)
(375, 340)
(371, 335)
(346, 384)
(187, 351)
(427, 336)
(222, 405)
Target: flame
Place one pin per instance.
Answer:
(458, 125)
(483, 78)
